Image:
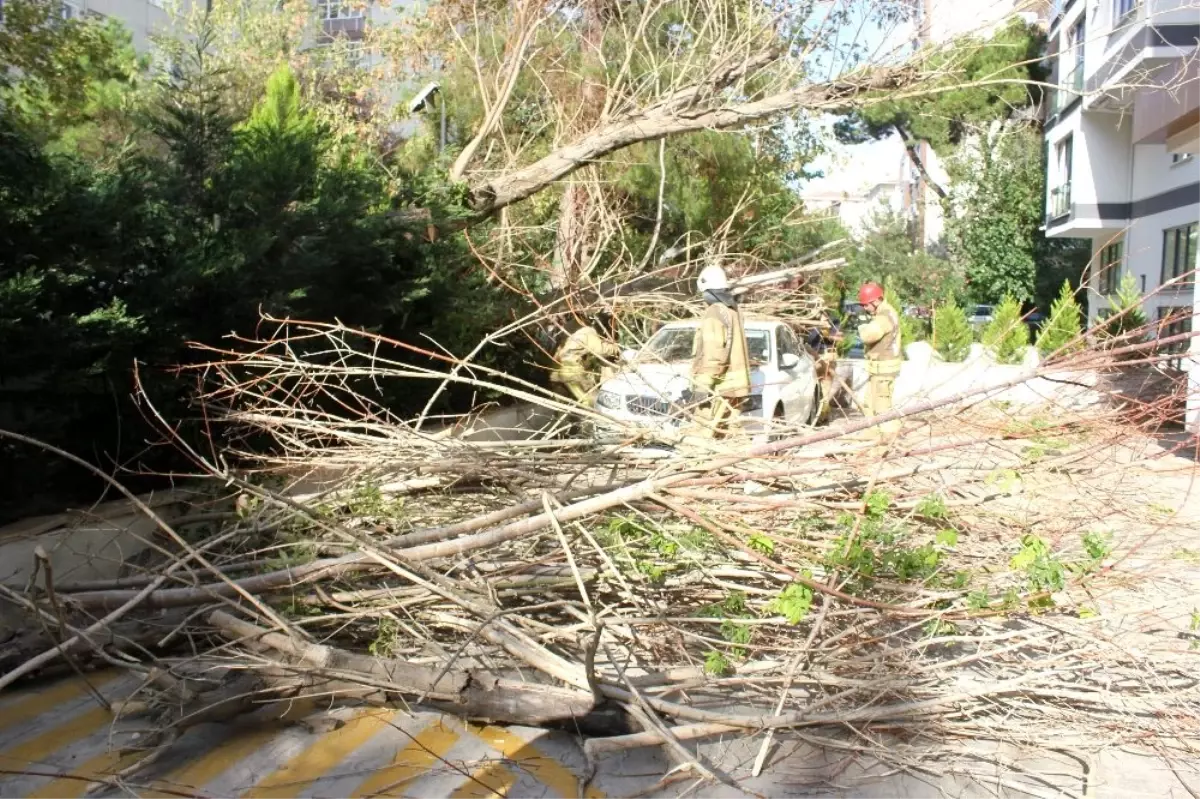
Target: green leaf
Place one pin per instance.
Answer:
(947, 538)
(793, 603)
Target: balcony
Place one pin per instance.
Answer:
(344, 19)
(1059, 205)
(1135, 58)
(1070, 89)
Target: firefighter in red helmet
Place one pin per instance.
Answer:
(881, 340)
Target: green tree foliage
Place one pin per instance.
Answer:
(721, 181)
(996, 208)
(1060, 332)
(214, 212)
(983, 81)
(1124, 319)
(885, 254)
(1006, 335)
(952, 335)
(61, 79)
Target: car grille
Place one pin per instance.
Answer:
(648, 406)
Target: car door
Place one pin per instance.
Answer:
(796, 381)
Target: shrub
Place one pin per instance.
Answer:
(1062, 328)
(951, 333)
(1125, 320)
(1006, 335)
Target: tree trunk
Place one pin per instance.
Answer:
(570, 245)
(470, 693)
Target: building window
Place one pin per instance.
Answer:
(1060, 195)
(1123, 10)
(1175, 322)
(341, 9)
(1180, 158)
(1111, 258)
(1179, 252)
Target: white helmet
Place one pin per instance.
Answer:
(712, 278)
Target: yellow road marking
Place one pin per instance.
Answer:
(326, 752)
(97, 768)
(541, 767)
(199, 772)
(497, 778)
(424, 751)
(39, 747)
(28, 709)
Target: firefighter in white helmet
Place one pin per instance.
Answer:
(720, 360)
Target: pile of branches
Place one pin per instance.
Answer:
(898, 599)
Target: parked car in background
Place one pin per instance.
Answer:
(980, 316)
(1034, 322)
(648, 389)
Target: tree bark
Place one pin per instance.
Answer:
(470, 693)
(914, 155)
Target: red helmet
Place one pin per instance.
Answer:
(869, 293)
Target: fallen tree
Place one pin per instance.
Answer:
(954, 581)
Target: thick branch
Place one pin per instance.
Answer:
(682, 112)
(914, 155)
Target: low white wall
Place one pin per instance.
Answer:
(926, 378)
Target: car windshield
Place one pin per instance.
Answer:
(674, 344)
(983, 310)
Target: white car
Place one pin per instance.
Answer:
(647, 391)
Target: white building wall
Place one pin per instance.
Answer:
(143, 18)
(949, 19)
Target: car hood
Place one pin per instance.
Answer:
(664, 380)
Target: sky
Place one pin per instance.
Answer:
(855, 167)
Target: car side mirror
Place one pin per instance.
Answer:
(789, 360)
(628, 356)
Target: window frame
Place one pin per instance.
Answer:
(1124, 10)
(1174, 267)
(345, 9)
(1076, 37)
(1111, 262)
(1174, 320)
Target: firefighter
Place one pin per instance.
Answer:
(720, 360)
(881, 339)
(581, 359)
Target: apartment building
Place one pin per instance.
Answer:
(1122, 138)
(944, 20)
(143, 18)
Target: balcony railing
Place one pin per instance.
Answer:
(1060, 202)
(1069, 88)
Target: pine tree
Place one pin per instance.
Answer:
(1006, 335)
(1060, 332)
(951, 333)
(1126, 319)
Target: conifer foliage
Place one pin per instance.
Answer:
(951, 333)
(1060, 333)
(1006, 335)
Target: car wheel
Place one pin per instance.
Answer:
(777, 432)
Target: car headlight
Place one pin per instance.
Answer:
(752, 403)
(608, 399)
